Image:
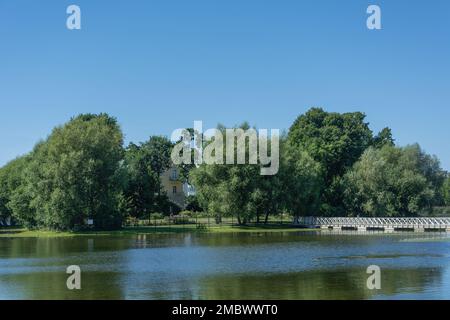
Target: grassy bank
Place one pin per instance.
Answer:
(24, 233)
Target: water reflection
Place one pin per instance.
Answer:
(326, 284)
(232, 266)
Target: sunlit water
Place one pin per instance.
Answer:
(299, 265)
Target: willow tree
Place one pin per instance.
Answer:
(393, 181)
(74, 175)
(228, 189)
(11, 180)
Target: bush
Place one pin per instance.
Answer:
(188, 213)
(202, 227)
(436, 212)
(156, 216)
(192, 204)
(132, 221)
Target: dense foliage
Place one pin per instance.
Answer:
(10, 185)
(144, 164)
(335, 141)
(392, 181)
(330, 164)
(228, 189)
(72, 176)
(446, 191)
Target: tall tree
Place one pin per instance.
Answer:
(334, 140)
(302, 179)
(142, 182)
(384, 137)
(185, 168)
(158, 150)
(446, 190)
(76, 174)
(230, 189)
(144, 165)
(391, 181)
(11, 179)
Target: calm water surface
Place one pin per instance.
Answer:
(299, 265)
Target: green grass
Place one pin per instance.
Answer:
(24, 233)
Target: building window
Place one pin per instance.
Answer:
(174, 189)
(174, 175)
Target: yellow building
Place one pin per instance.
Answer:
(173, 186)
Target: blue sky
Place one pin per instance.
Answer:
(160, 65)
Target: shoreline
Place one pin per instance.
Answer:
(25, 233)
(18, 232)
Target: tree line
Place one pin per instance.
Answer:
(331, 164)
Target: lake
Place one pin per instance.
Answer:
(291, 265)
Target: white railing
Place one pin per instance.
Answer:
(374, 222)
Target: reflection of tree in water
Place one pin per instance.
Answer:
(325, 284)
(324, 238)
(252, 238)
(58, 247)
(36, 268)
(52, 286)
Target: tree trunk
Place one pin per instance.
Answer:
(266, 219)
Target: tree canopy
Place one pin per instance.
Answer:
(74, 175)
(335, 141)
(330, 164)
(144, 164)
(11, 176)
(227, 189)
(392, 181)
(446, 191)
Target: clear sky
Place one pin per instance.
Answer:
(160, 65)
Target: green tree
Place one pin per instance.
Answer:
(185, 168)
(266, 196)
(384, 137)
(229, 189)
(158, 150)
(145, 163)
(302, 181)
(335, 141)
(446, 191)
(139, 196)
(5, 194)
(4, 210)
(241, 191)
(11, 179)
(74, 175)
(192, 204)
(391, 181)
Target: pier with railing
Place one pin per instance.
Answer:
(417, 224)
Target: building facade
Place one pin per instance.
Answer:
(174, 187)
